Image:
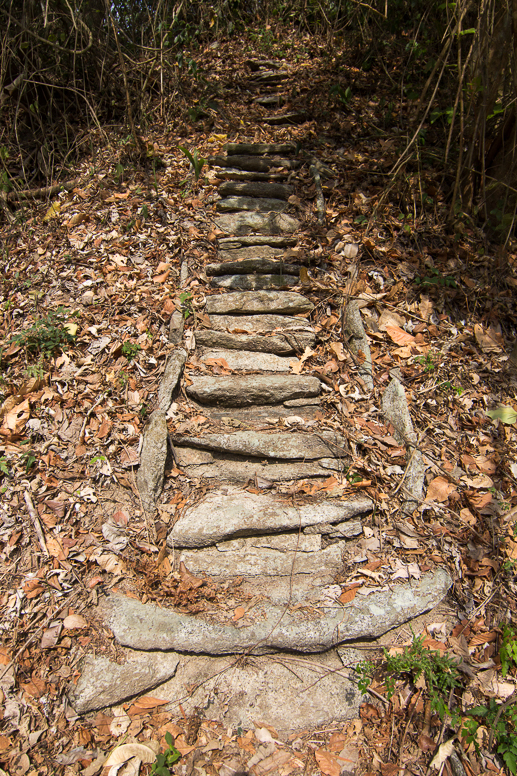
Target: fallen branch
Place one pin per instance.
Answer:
(320, 199)
(45, 191)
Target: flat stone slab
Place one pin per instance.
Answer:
(271, 77)
(254, 163)
(286, 691)
(149, 478)
(251, 362)
(255, 282)
(267, 556)
(249, 252)
(274, 190)
(237, 471)
(243, 266)
(231, 513)
(296, 117)
(104, 683)
(259, 204)
(271, 627)
(263, 223)
(287, 445)
(296, 342)
(228, 243)
(258, 414)
(231, 173)
(259, 324)
(259, 148)
(246, 391)
(259, 302)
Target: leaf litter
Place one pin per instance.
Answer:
(71, 418)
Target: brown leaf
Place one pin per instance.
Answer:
(399, 336)
(348, 595)
(439, 489)
(74, 621)
(328, 762)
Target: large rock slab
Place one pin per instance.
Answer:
(260, 324)
(232, 173)
(230, 243)
(288, 692)
(282, 344)
(254, 163)
(232, 513)
(256, 189)
(272, 628)
(263, 223)
(290, 446)
(223, 469)
(259, 302)
(104, 683)
(258, 204)
(149, 478)
(295, 117)
(251, 362)
(243, 266)
(257, 414)
(277, 556)
(255, 282)
(173, 368)
(358, 342)
(246, 391)
(249, 252)
(260, 149)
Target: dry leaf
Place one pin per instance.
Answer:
(439, 489)
(74, 621)
(125, 752)
(489, 341)
(296, 366)
(399, 336)
(444, 751)
(328, 762)
(337, 347)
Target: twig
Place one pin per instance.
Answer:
(45, 191)
(320, 199)
(88, 415)
(37, 525)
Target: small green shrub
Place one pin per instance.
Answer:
(47, 334)
(439, 671)
(197, 161)
(164, 762)
(130, 350)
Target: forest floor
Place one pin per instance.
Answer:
(89, 279)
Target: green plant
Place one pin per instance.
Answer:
(435, 278)
(447, 385)
(29, 459)
(427, 362)
(47, 334)
(197, 161)
(439, 671)
(343, 95)
(508, 651)
(164, 761)
(130, 350)
(502, 722)
(4, 465)
(186, 303)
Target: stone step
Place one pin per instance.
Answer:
(259, 149)
(259, 204)
(230, 243)
(259, 324)
(269, 556)
(282, 344)
(254, 163)
(258, 64)
(259, 302)
(237, 391)
(245, 266)
(231, 513)
(258, 414)
(295, 117)
(258, 189)
(232, 173)
(264, 223)
(290, 446)
(270, 627)
(255, 282)
(249, 361)
(226, 468)
(270, 77)
(271, 99)
(250, 252)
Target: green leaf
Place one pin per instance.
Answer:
(504, 413)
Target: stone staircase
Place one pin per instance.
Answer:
(274, 519)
